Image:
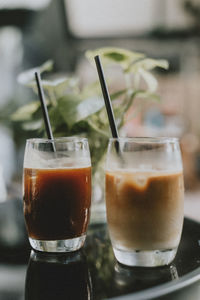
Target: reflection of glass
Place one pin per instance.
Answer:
(57, 277)
(57, 193)
(129, 280)
(144, 199)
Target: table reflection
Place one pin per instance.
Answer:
(69, 276)
(132, 279)
(57, 276)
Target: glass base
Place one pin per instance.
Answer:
(68, 245)
(141, 258)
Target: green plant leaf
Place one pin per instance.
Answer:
(56, 119)
(148, 64)
(142, 68)
(150, 80)
(57, 87)
(88, 107)
(91, 90)
(28, 76)
(97, 129)
(80, 127)
(115, 55)
(33, 125)
(67, 107)
(74, 110)
(60, 82)
(25, 112)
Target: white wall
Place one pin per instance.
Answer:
(91, 18)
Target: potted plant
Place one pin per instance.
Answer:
(75, 110)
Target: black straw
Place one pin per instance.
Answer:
(106, 96)
(44, 109)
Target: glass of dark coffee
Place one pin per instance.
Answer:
(144, 199)
(57, 193)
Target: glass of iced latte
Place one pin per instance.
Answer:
(57, 193)
(144, 199)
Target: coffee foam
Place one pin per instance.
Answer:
(146, 170)
(45, 160)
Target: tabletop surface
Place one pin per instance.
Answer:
(93, 272)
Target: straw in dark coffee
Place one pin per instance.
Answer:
(44, 109)
(106, 97)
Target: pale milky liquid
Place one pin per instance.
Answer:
(144, 209)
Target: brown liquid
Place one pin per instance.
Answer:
(144, 210)
(57, 202)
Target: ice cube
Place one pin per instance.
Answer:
(140, 179)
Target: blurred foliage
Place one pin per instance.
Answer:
(80, 111)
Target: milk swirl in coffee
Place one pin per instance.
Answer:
(144, 209)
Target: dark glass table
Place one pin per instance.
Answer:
(93, 272)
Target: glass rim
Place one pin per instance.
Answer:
(70, 139)
(156, 140)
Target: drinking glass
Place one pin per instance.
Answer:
(144, 199)
(57, 193)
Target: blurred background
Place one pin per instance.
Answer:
(34, 31)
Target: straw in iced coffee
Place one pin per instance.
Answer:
(107, 100)
(106, 97)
